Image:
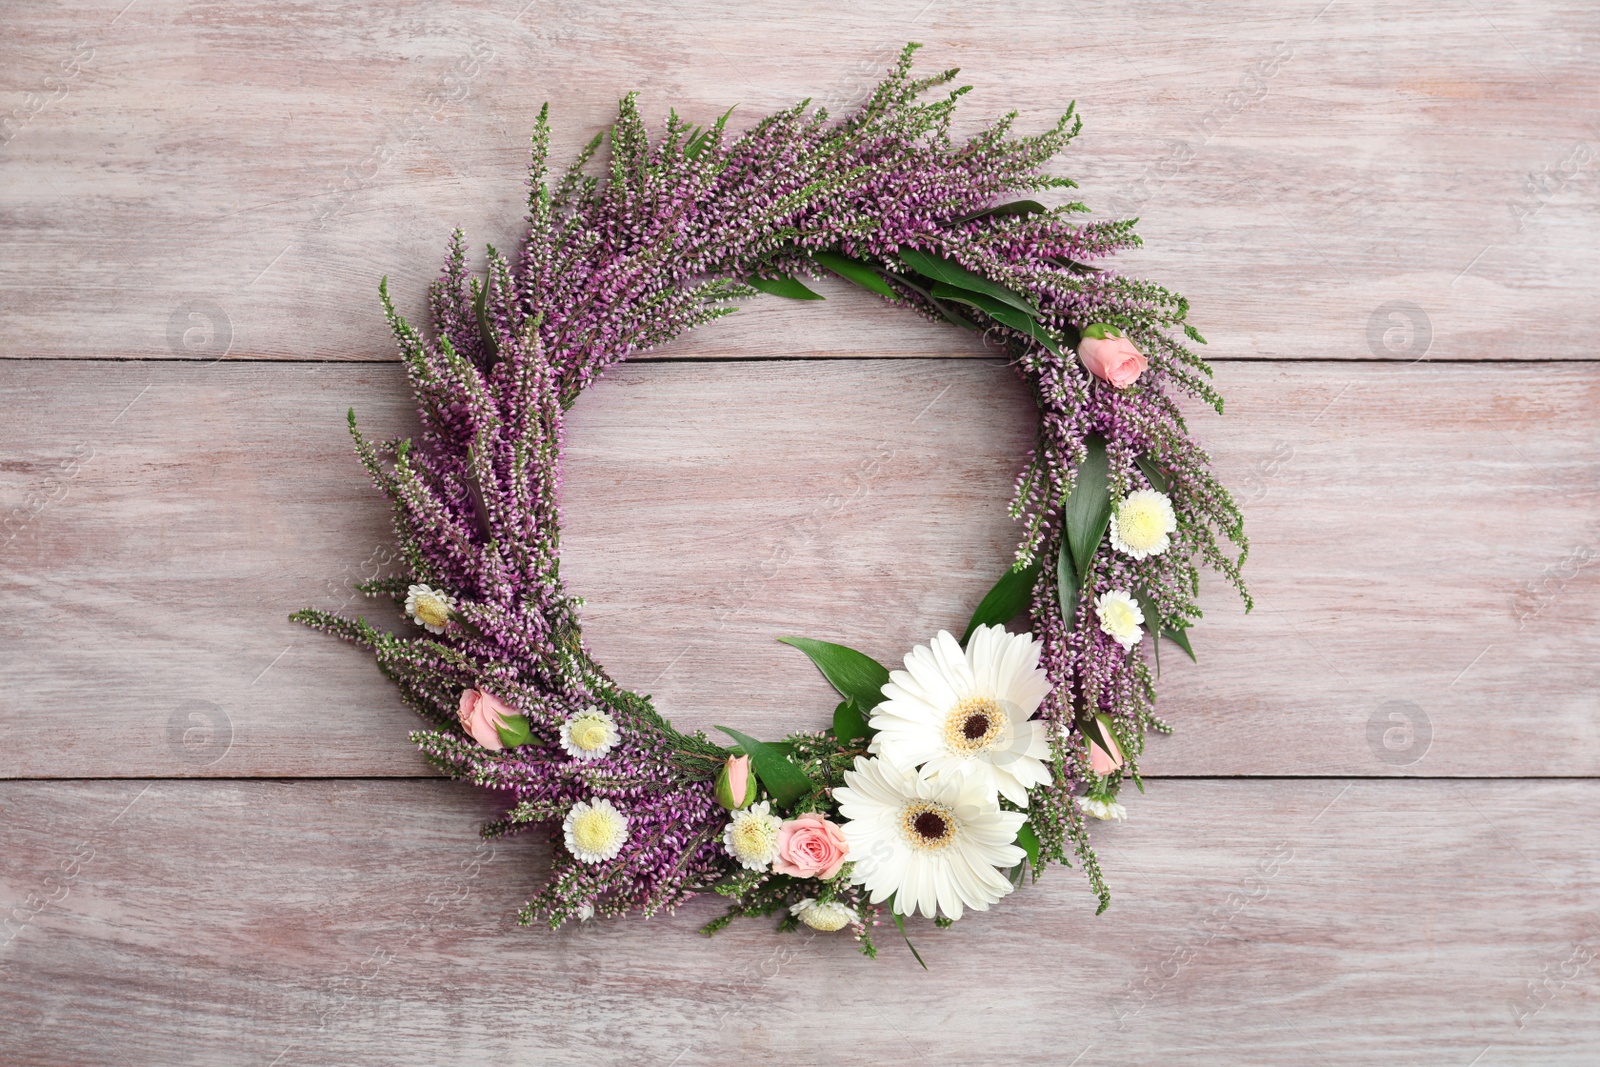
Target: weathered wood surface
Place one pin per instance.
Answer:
(1287, 923)
(1297, 167)
(1422, 537)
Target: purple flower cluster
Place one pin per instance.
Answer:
(660, 241)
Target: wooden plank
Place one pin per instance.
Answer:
(234, 182)
(1423, 544)
(1290, 922)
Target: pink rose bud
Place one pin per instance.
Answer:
(810, 846)
(1110, 356)
(736, 786)
(482, 715)
(1100, 761)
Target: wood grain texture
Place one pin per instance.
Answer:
(1421, 546)
(203, 180)
(1290, 923)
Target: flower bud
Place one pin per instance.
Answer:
(736, 786)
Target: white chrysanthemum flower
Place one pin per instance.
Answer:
(935, 843)
(585, 912)
(590, 734)
(752, 836)
(429, 607)
(1102, 808)
(595, 830)
(969, 712)
(1143, 524)
(1120, 617)
(826, 916)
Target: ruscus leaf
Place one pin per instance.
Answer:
(1180, 637)
(783, 285)
(1001, 313)
(1008, 598)
(848, 722)
(1029, 843)
(951, 273)
(1016, 207)
(1158, 481)
(1089, 505)
(1067, 591)
(853, 270)
(855, 675)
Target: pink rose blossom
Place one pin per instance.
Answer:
(1113, 359)
(482, 715)
(810, 846)
(1101, 761)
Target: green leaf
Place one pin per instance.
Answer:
(1089, 505)
(1180, 637)
(951, 273)
(1101, 330)
(900, 921)
(1001, 313)
(1007, 599)
(480, 297)
(514, 731)
(848, 722)
(700, 138)
(853, 270)
(1089, 726)
(1067, 589)
(856, 676)
(1152, 624)
(1158, 481)
(1193, 334)
(782, 776)
(783, 285)
(1016, 207)
(1029, 841)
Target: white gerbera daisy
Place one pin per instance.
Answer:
(827, 916)
(969, 712)
(590, 734)
(595, 830)
(752, 836)
(934, 843)
(429, 607)
(1143, 524)
(1120, 617)
(1102, 807)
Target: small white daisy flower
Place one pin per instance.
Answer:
(1102, 808)
(1120, 617)
(1143, 523)
(585, 912)
(752, 836)
(430, 608)
(595, 830)
(589, 735)
(827, 917)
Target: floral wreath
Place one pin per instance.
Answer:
(937, 788)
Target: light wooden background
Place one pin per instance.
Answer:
(1373, 837)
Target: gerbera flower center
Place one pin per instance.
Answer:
(431, 610)
(973, 725)
(928, 825)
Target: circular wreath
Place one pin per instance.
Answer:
(935, 789)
